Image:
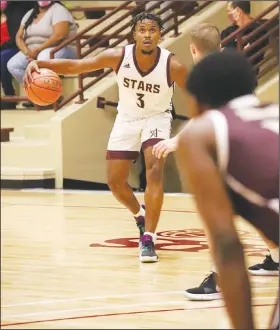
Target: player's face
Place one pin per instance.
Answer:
(147, 35)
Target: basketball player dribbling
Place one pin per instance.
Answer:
(228, 156)
(205, 39)
(146, 75)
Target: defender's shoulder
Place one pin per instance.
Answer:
(198, 130)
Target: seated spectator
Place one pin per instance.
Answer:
(239, 15)
(12, 12)
(44, 27)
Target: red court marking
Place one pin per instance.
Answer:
(117, 314)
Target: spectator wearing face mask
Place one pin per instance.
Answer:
(239, 16)
(12, 12)
(44, 27)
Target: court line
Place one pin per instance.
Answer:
(105, 307)
(119, 314)
(57, 301)
(62, 192)
(91, 207)
(116, 306)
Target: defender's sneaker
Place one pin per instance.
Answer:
(208, 290)
(267, 268)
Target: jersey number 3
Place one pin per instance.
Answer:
(141, 103)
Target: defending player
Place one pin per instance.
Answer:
(146, 74)
(205, 39)
(228, 155)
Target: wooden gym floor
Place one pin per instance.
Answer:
(70, 260)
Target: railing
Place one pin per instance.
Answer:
(102, 103)
(99, 8)
(119, 35)
(105, 37)
(269, 26)
(77, 38)
(256, 50)
(83, 9)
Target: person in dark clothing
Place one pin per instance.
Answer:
(239, 15)
(14, 12)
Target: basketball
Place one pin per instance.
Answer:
(45, 88)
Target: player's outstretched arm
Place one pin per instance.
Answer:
(178, 74)
(199, 171)
(110, 58)
(165, 147)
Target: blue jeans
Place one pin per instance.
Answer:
(19, 62)
(6, 77)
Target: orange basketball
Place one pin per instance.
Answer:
(45, 88)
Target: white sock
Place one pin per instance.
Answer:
(141, 212)
(274, 254)
(213, 268)
(154, 236)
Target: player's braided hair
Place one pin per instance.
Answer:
(142, 16)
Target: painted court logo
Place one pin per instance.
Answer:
(188, 240)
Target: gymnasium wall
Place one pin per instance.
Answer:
(79, 136)
(258, 6)
(269, 91)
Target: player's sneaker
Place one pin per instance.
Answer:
(140, 223)
(147, 249)
(208, 290)
(266, 268)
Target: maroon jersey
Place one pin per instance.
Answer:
(247, 150)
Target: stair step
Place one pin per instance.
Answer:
(27, 178)
(20, 152)
(21, 173)
(19, 118)
(37, 132)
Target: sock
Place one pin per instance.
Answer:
(141, 212)
(154, 236)
(213, 268)
(274, 254)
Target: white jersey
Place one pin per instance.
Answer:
(143, 94)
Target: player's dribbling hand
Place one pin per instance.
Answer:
(32, 66)
(163, 148)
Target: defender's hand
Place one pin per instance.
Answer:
(163, 148)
